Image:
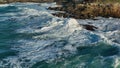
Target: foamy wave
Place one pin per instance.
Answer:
(53, 37)
(4, 5)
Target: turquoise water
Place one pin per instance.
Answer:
(30, 37)
(7, 33)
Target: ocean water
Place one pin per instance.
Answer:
(31, 37)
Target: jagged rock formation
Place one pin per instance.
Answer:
(88, 10)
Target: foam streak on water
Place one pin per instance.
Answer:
(44, 41)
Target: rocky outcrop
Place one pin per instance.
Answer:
(90, 27)
(89, 10)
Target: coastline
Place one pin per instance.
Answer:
(89, 10)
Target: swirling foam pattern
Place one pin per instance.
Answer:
(30, 37)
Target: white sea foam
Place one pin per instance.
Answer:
(54, 37)
(4, 5)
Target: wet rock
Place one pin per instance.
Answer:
(90, 27)
(61, 14)
(95, 19)
(90, 10)
(56, 8)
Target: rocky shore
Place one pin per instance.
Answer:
(79, 9)
(88, 10)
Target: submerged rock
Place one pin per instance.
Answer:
(90, 27)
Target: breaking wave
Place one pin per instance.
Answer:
(46, 41)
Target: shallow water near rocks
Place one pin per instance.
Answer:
(31, 37)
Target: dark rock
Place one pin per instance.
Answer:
(95, 19)
(61, 14)
(90, 27)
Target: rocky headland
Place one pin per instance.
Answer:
(80, 9)
(87, 9)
